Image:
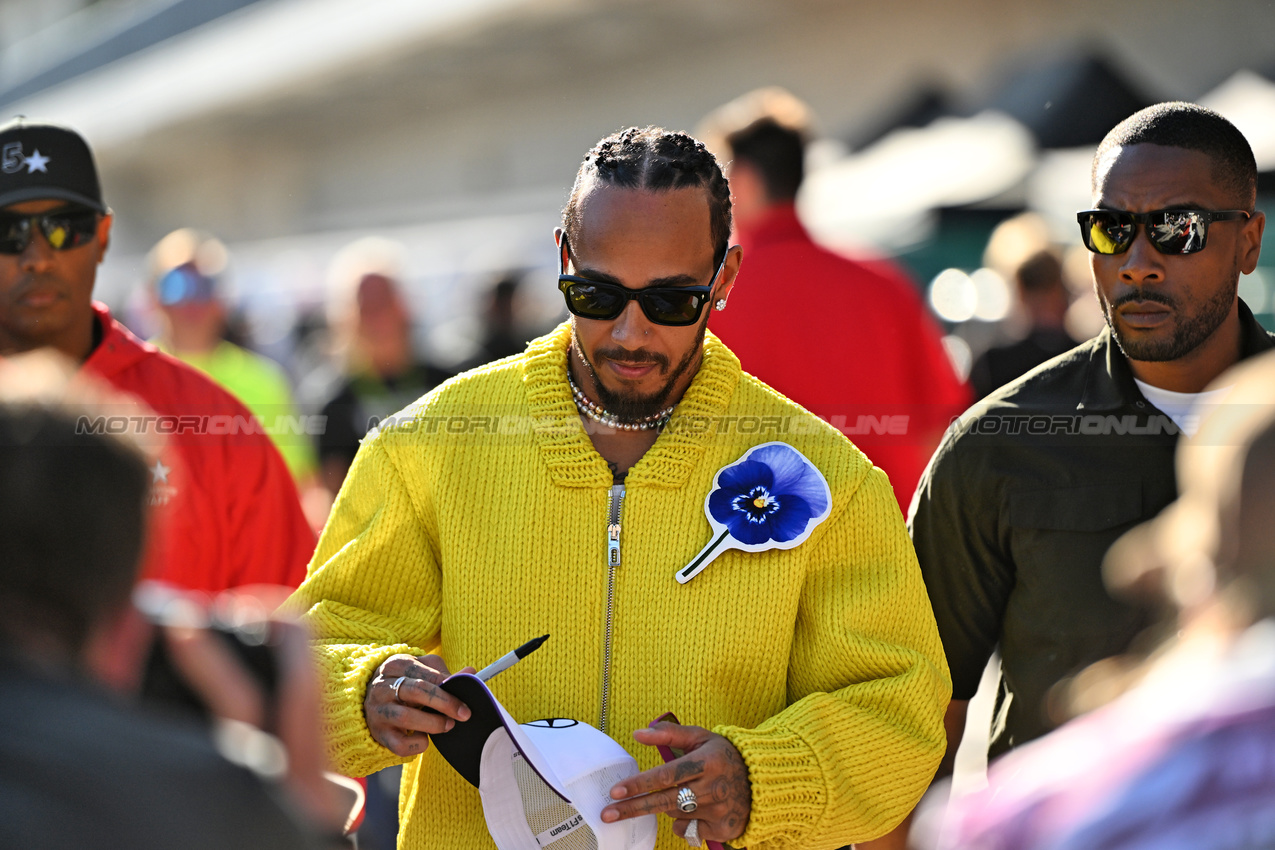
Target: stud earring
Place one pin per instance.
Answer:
(720, 305)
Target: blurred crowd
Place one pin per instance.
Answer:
(219, 520)
(353, 365)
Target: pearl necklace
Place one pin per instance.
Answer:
(599, 414)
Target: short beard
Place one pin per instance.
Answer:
(1188, 335)
(631, 406)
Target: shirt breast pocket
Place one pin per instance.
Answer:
(1058, 538)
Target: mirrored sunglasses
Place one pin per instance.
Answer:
(63, 229)
(1170, 231)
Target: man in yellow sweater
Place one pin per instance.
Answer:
(570, 490)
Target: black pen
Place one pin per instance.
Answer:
(509, 659)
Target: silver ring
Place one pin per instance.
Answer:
(397, 684)
(686, 800)
(692, 833)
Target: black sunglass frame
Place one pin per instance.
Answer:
(48, 223)
(700, 295)
(1132, 219)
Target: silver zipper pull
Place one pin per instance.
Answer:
(613, 545)
(615, 503)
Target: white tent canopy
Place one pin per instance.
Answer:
(881, 196)
(1247, 100)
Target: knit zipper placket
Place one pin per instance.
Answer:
(615, 504)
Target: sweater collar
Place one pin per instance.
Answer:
(566, 448)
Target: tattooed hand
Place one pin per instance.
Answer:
(395, 720)
(712, 768)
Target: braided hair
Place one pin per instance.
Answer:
(656, 159)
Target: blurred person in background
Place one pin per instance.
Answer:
(1183, 758)
(813, 673)
(1025, 495)
(502, 334)
(83, 763)
(372, 327)
(1020, 250)
(186, 269)
(373, 331)
(226, 509)
(844, 338)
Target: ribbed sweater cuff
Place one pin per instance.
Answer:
(789, 793)
(354, 751)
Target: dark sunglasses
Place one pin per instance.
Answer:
(1170, 231)
(64, 229)
(664, 305)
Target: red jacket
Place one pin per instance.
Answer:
(226, 511)
(850, 341)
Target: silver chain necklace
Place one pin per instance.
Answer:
(600, 414)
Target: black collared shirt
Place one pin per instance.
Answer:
(1017, 508)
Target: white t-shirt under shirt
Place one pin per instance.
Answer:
(1185, 409)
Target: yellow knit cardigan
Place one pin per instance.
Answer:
(478, 520)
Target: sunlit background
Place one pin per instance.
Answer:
(291, 127)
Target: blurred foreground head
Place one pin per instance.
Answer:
(1217, 541)
(72, 510)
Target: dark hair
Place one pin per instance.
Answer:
(1192, 127)
(777, 152)
(656, 159)
(72, 518)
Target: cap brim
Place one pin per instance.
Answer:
(463, 745)
(49, 193)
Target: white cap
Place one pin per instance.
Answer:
(542, 783)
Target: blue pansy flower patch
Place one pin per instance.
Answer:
(771, 498)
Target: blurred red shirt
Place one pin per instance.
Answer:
(225, 510)
(850, 341)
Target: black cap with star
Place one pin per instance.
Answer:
(42, 161)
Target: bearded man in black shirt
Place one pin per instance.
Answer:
(1030, 488)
